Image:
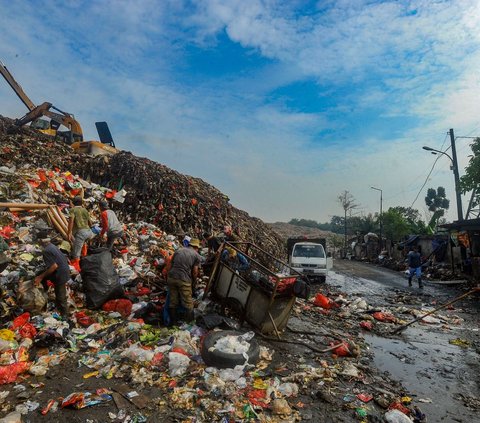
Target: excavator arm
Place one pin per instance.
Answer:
(16, 87)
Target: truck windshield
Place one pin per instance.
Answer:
(308, 251)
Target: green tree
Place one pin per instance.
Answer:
(470, 181)
(395, 226)
(437, 203)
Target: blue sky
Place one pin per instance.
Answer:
(282, 105)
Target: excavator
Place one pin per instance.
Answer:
(58, 118)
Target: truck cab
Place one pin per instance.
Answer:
(308, 257)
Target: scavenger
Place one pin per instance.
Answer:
(58, 272)
(79, 225)
(182, 273)
(111, 226)
(414, 266)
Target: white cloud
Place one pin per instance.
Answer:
(119, 61)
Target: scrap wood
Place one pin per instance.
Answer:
(25, 206)
(402, 327)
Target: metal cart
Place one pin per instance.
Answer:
(255, 284)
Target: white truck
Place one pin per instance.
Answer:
(308, 257)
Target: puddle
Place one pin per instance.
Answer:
(430, 368)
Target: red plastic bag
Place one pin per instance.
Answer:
(179, 351)
(365, 397)
(6, 232)
(400, 407)
(9, 374)
(28, 331)
(21, 320)
(83, 319)
(122, 306)
(384, 317)
(366, 325)
(324, 302)
(342, 350)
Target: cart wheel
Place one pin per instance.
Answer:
(231, 307)
(223, 360)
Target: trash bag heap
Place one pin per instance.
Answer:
(115, 351)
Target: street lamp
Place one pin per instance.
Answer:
(454, 168)
(380, 217)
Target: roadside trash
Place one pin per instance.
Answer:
(396, 416)
(459, 342)
(324, 302)
(281, 407)
(384, 317)
(80, 400)
(227, 349)
(288, 389)
(365, 397)
(365, 324)
(13, 417)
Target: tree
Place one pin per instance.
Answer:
(395, 225)
(437, 203)
(471, 180)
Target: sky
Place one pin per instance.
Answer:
(282, 105)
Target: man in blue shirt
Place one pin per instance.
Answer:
(58, 272)
(414, 266)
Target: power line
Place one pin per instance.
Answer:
(429, 173)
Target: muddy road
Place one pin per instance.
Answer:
(442, 376)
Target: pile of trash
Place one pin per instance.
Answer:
(145, 190)
(115, 358)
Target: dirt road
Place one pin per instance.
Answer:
(422, 358)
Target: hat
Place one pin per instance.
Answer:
(195, 243)
(103, 204)
(77, 201)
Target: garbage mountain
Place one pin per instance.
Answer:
(152, 192)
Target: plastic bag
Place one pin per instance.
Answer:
(31, 298)
(324, 302)
(99, 278)
(8, 374)
(177, 364)
(136, 353)
(395, 416)
(123, 306)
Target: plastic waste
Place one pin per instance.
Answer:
(27, 407)
(99, 278)
(230, 375)
(281, 407)
(30, 297)
(396, 416)
(288, 389)
(136, 353)
(8, 374)
(13, 417)
(177, 364)
(324, 302)
(80, 400)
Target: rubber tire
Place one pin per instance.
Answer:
(223, 360)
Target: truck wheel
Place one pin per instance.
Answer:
(222, 360)
(322, 279)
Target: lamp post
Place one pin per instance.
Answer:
(380, 217)
(455, 175)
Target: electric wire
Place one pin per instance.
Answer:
(431, 170)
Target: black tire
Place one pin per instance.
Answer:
(223, 360)
(322, 279)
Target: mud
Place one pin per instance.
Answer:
(421, 358)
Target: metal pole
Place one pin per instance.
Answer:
(381, 220)
(457, 176)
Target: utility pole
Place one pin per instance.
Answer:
(457, 176)
(380, 217)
